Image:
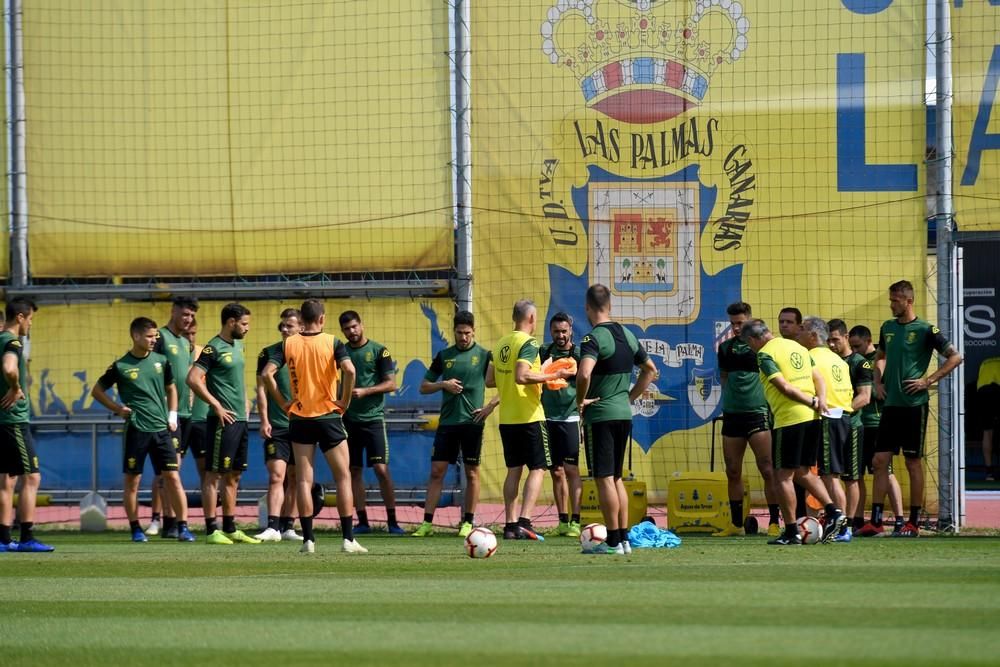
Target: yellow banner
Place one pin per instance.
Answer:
(690, 154)
(975, 27)
(219, 138)
(71, 346)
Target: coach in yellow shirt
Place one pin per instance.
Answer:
(796, 393)
(988, 391)
(516, 373)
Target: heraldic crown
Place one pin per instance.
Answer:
(644, 61)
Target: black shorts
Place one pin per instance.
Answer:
(564, 442)
(605, 446)
(227, 448)
(745, 424)
(796, 446)
(137, 444)
(834, 451)
(367, 442)
(196, 440)
(903, 429)
(327, 432)
(451, 439)
(17, 450)
(988, 398)
(279, 447)
(182, 436)
(526, 445)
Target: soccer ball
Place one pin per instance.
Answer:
(592, 535)
(810, 529)
(481, 543)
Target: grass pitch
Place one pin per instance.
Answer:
(101, 600)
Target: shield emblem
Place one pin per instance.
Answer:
(703, 391)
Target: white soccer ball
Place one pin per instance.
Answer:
(810, 529)
(593, 535)
(481, 543)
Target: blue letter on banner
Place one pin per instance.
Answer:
(981, 140)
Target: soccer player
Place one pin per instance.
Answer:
(790, 326)
(988, 392)
(277, 445)
(365, 419)
(459, 373)
(796, 393)
(607, 356)
(316, 361)
(17, 451)
(838, 453)
(177, 349)
(861, 384)
(562, 422)
(904, 352)
(146, 386)
(516, 373)
(745, 421)
(860, 338)
(197, 442)
(217, 378)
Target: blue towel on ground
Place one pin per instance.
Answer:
(646, 535)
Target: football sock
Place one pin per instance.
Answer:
(564, 517)
(27, 534)
(4, 534)
(858, 522)
(272, 521)
(307, 528)
(877, 510)
(390, 516)
(210, 525)
(428, 517)
(133, 526)
(613, 539)
(168, 523)
(468, 517)
(346, 526)
(800, 502)
(182, 526)
(228, 524)
(830, 510)
(622, 535)
(286, 523)
(791, 529)
(155, 517)
(524, 522)
(362, 518)
(575, 518)
(736, 512)
(773, 512)
(915, 514)
(509, 527)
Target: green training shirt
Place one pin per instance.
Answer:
(373, 365)
(871, 414)
(275, 414)
(908, 348)
(742, 391)
(468, 367)
(142, 386)
(861, 376)
(20, 412)
(616, 351)
(560, 404)
(177, 350)
(224, 364)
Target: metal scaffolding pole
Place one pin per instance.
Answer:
(946, 283)
(463, 157)
(17, 179)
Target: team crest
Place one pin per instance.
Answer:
(131, 463)
(368, 356)
(475, 360)
(450, 363)
(173, 348)
(911, 337)
(132, 373)
(227, 358)
(643, 191)
(158, 366)
(226, 461)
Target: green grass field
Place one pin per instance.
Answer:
(101, 600)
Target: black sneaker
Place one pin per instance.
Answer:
(832, 527)
(170, 533)
(510, 534)
(786, 540)
(525, 533)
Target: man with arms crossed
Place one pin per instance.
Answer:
(516, 373)
(745, 421)
(797, 395)
(277, 445)
(145, 382)
(905, 346)
(607, 355)
(562, 422)
(17, 452)
(217, 378)
(459, 373)
(177, 349)
(316, 361)
(365, 419)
